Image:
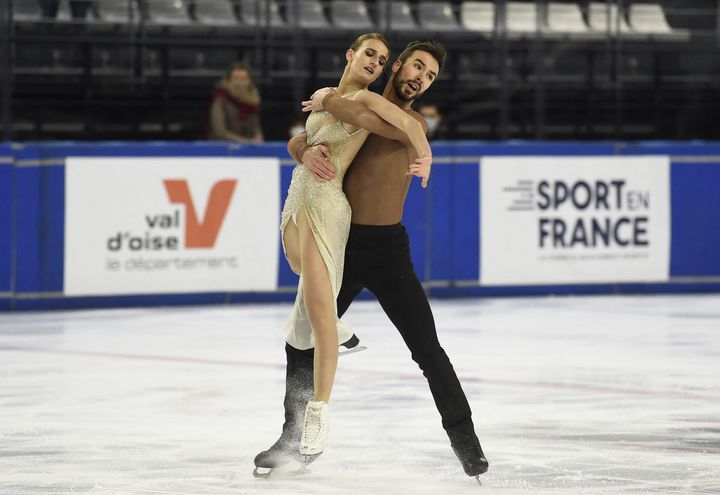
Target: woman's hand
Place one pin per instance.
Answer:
(421, 168)
(315, 103)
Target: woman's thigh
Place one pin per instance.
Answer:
(316, 279)
(291, 240)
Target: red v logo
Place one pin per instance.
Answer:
(202, 234)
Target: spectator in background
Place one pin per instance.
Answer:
(235, 108)
(433, 118)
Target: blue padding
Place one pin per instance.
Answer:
(567, 290)
(286, 277)
(465, 221)
(416, 221)
(52, 218)
(267, 149)
(440, 207)
(532, 148)
(521, 290)
(159, 300)
(119, 301)
(61, 150)
(697, 148)
(28, 222)
(695, 246)
(6, 219)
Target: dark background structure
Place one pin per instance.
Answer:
(534, 69)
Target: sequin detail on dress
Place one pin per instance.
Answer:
(328, 213)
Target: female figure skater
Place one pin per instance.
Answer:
(316, 221)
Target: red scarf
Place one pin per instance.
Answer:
(243, 108)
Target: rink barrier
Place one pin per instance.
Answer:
(441, 220)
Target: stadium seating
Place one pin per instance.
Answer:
(166, 13)
(437, 16)
(350, 14)
(592, 55)
(650, 19)
(604, 18)
(478, 16)
(309, 14)
(522, 19)
(27, 11)
(215, 13)
(401, 16)
(567, 19)
(113, 12)
(261, 13)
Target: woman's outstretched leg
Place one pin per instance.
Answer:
(319, 302)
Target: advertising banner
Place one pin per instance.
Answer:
(170, 225)
(574, 219)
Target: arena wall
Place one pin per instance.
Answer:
(67, 239)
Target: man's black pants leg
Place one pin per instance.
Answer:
(378, 257)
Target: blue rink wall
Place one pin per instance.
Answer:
(442, 220)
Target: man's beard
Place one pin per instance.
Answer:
(397, 87)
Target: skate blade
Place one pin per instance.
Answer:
(280, 472)
(352, 350)
(307, 459)
(260, 472)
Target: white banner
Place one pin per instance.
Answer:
(171, 225)
(574, 219)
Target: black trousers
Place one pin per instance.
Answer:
(378, 258)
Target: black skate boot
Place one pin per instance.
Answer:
(351, 346)
(298, 391)
(467, 448)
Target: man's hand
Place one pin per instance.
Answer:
(314, 104)
(421, 168)
(315, 160)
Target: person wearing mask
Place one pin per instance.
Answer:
(433, 118)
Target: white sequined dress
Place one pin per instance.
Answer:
(328, 213)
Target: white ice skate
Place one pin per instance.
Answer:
(315, 430)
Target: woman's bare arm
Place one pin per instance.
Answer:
(399, 118)
(357, 114)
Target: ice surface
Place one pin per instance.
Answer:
(572, 395)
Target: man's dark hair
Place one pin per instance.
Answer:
(433, 47)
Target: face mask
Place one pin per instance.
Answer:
(432, 123)
(296, 129)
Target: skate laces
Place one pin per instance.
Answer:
(314, 425)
